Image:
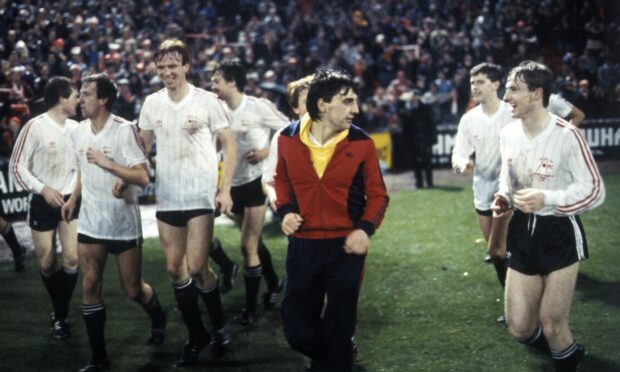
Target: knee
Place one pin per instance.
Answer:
(519, 329)
(133, 292)
(71, 261)
(551, 326)
(175, 272)
(196, 268)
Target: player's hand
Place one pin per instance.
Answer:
(529, 200)
(97, 157)
(499, 206)
(272, 202)
(118, 190)
(463, 168)
(224, 202)
(357, 243)
(291, 223)
(52, 197)
(66, 212)
(255, 156)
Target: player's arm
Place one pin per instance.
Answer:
(273, 119)
(462, 151)
(502, 202)
(148, 138)
(287, 210)
(69, 207)
(229, 149)
(575, 116)
(269, 168)
(136, 175)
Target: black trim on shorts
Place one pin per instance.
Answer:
(180, 218)
(248, 195)
(112, 246)
(485, 212)
(44, 217)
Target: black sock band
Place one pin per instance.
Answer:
(187, 302)
(213, 301)
(537, 340)
(268, 271)
(252, 282)
(94, 318)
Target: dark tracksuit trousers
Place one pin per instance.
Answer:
(316, 267)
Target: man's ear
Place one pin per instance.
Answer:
(320, 104)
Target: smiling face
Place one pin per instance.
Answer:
(520, 97)
(482, 88)
(222, 87)
(171, 70)
(340, 111)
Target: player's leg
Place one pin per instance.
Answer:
(129, 261)
(92, 263)
(522, 300)
(8, 233)
(173, 240)
(67, 275)
(251, 228)
(228, 267)
(199, 236)
(497, 245)
(554, 314)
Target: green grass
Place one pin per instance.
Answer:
(428, 303)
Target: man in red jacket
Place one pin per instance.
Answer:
(331, 198)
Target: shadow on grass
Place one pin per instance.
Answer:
(593, 363)
(594, 289)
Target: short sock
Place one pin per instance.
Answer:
(94, 318)
(213, 301)
(252, 277)
(187, 302)
(268, 270)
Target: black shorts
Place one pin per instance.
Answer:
(539, 245)
(247, 195)
(111, 246)
(180, 218)
(43, 217)
(486, 212)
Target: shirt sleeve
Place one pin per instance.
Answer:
(218, 118)
(25, 147)
(504, 176)
(133, 147)
(285, 199)
(272, 118)
(587, 190)
(144, 121)
(269, 165)
(559, 106)
(377, 199)
(462, 145)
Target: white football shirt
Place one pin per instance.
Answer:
(559, 106)
(558, 162)
(43, 156)
(102, 215)
(252, 123)
(478, 134)
(186, 171)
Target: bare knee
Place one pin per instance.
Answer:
(91, 287)
(133, 292)
(552, 326)
(71, 261)
(520, 330)
(196, 268)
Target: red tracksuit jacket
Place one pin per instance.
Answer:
(350, 195)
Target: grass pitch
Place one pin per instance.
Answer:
(428, 302)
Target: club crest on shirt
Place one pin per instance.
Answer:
(52, 145)
(191, 124)
(159, 123)
(544, 169)
(107, 151)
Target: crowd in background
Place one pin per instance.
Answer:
(403, 54)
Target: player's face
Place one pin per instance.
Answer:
(221, 86)
(519, 97)
(301, 109)
(482, 88)
(90, 105)
(70, 104)
(339, 113)
(171, 70)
